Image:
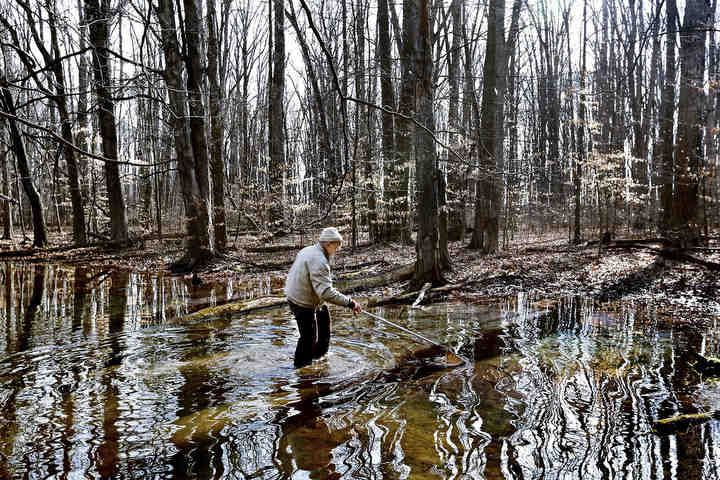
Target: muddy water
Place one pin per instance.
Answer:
(99, 379)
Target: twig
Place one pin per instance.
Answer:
(421, 295)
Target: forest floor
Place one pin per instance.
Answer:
(686, 288)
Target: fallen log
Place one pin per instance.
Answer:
(362, 281)
(670, 253)
(273, 301)
(273, 248)
(681, 423)
(234, 308)
(283, 248)
(411, 296)
(435, 292)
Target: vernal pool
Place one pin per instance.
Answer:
(101, 378)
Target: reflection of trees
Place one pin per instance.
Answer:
(80, 297)
(201, 389)
(38, 291)
(10, 424)
(106, 456)
(9, 282)
(304, 440)
(590, 391)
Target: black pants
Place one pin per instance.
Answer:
(314, 328)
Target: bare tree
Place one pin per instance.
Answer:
(685, 225)
(491, 131)
(666, 135)
(98, 17)
(428, 263)
(276, 114)
(215, 73)
(51, 56)
(40, 238)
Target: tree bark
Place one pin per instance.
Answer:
(196, 122)
(5, 202)
(428, 266)
(217, 127)
(40, 238)
(276, 116)
(397, 201)
(60, 99)
(98, 19)
(685, 226)
(665, 150)
(581, 151)
(487, 204)
(387, 97)
(198, 244)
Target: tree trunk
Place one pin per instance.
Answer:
(198, 244)
(399, 215)
(60, 99)
(5, 202)
(217, 128)
(98, 19)
(665, 151)
(83, 126)
(428, 264)
(454, 67)
(456, 209)
(384, 51)
(18, 146)
(685, 225)
(198, 138)
(276, 117)
(487, 204)
(581, 152)
(711, 122)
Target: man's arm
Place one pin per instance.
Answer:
(322, 284)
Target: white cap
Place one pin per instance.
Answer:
(330, 234)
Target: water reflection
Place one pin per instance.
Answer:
(98, 379)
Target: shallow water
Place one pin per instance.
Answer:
(100, 378)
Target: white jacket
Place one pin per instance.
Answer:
(309, 281)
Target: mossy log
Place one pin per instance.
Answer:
(235, 308)
(344, 285)
(681, 423)
(707, 365)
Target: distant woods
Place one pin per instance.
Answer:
(443, 120)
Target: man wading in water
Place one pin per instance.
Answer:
(307, 287)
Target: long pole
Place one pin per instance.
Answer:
(403, 329)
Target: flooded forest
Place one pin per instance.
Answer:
(527, 193)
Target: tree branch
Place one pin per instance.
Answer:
(57, 137)
(383, 109)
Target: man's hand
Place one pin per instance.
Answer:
(355, 307)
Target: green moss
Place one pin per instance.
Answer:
(235, 308)
(683, 422)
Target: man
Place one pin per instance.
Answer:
(307, 287)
